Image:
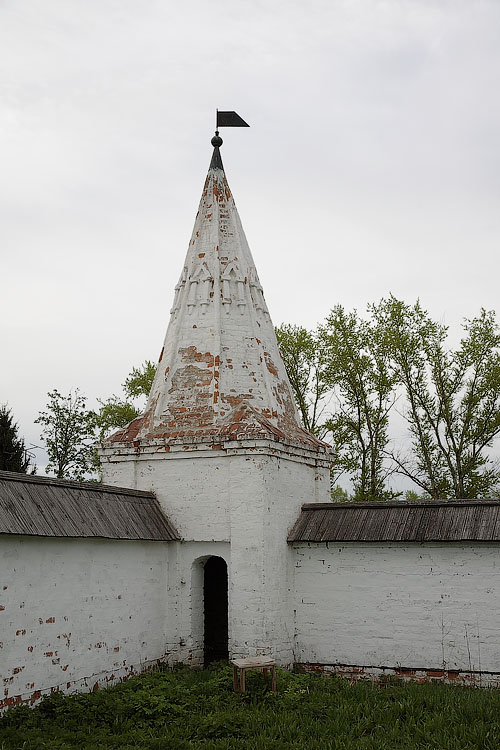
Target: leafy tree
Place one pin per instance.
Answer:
(113, 414)
(340, 495)
(68, 431)
(140, 380)
(411, 496)
(357, 368)
(13, 453)
(302, 355)
(345, 360)
(453, 399)
(116, 412)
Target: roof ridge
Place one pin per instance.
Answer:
(55, 481)
(401, 504)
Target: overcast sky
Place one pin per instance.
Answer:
(371, 166)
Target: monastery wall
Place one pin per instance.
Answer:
(416, 610)
(77, 614)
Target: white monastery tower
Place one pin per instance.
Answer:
(247, 555)
(220, 444)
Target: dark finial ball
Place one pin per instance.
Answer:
(217, 140)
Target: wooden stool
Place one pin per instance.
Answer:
(254, 662)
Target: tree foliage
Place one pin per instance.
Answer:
(348, 375)
(341, 380)
(140, 380)
(68, 431)
(113, 414)
(13, 453)
(453, 399)
(302, 355)
(116, 412)
(358, 370)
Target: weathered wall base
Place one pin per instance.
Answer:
(83, 685)
(405, 674)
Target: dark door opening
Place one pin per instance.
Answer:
(215, 598)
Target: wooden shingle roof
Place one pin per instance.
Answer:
(425, 521)
(40, 506)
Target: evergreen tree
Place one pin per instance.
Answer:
(13, 453)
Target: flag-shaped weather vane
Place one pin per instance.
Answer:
(229, 120)
(224, 120)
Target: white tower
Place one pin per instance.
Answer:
(221, 445)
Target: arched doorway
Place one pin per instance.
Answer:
(215, 610)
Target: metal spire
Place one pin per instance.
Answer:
(216, 162)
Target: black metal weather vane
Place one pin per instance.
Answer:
(224, 119)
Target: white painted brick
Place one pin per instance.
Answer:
(78, 612)
(431, 606)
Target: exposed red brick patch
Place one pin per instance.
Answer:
(270, 365)
(382, 675)
(11, 702)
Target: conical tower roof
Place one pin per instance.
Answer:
(220, 374)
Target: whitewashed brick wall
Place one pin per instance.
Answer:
(424, 606)
(78, 613)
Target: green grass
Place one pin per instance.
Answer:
(183, 709)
